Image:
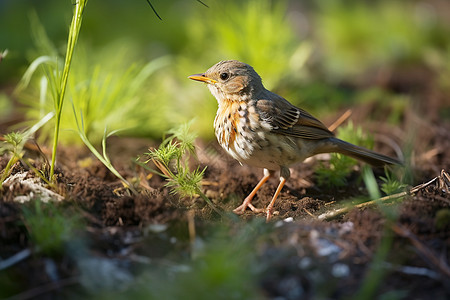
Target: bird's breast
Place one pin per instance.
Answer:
(240, 131)
(250, 140)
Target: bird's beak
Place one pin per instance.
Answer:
(202, 78)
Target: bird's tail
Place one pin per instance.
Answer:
(363, 154)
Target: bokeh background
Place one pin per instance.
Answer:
(130, 69)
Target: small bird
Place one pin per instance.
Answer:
(262, 129)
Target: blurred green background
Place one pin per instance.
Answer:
(130, 69)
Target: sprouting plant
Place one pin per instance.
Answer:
(391, 185)
(172, 159)
(101, 157)
(340, 166)
(14, 143)
(56, 80)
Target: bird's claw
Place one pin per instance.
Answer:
(243, 207)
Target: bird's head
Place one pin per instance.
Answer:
(231, 80)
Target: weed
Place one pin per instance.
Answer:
(55, 79)
(391, 185)
(374, 193)
(172, 159)
(340, 166)
(102, 157)
(108, 86)
(14, 143)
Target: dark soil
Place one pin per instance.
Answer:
(406, 241)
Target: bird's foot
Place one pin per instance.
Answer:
(269, 213)
(243, 207)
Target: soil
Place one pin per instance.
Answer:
(300, 255)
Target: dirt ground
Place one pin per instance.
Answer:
(299, 253)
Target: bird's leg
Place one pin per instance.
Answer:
(248, 200)
(284, 176)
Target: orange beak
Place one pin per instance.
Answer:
(202, 78)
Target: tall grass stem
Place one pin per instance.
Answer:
(59, 101)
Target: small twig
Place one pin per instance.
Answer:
(411, 270)
(191, 229)
(443, 177)
(444, 181)
(422, 186)
(439, 264)
(340, 211)
(162, 168)
(391, 143)
(16, 258)
(144, 183)
(340, 120)
(209, 183)
(430, 154)
(309, 213)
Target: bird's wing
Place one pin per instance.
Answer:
(285, 118)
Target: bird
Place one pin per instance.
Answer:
(262, 129)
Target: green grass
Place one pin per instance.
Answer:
(340, 166)
(108, 86)
(103, 158)
(59, 91)
(391, 184)
(13, 145)
(50, 227)
(143, 91)
(54, 82)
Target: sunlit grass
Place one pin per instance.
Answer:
(364, 36)
(60, 91)
(108, 89)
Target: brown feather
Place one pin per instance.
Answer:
(289, 120)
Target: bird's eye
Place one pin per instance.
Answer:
(224, 76)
